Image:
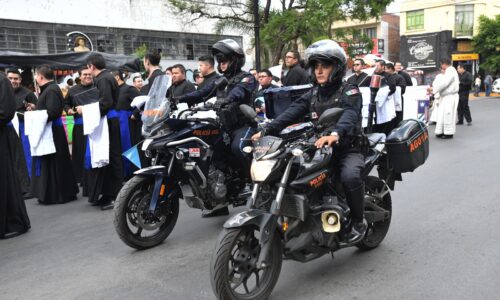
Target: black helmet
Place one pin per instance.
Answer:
(229, 50)
(329, 52)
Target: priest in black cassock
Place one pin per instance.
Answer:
(13, 216)
(25, 100)
(130, 121)
(106, 181)
(81, 94)
(53, 180)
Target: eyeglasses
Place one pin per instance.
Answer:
(357, 65)
(288, 56)
(263, 76)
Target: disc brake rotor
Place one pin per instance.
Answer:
(145, 219)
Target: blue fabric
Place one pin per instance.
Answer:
(26, 146)
(87, 162)
(57, 122)
(113, 114)
(38, 165)
(125, 139)
(78, 121)
(132, 154)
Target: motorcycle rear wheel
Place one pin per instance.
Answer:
(376, 232)
(132, 218)
(233, 272)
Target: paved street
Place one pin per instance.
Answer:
(443, 242)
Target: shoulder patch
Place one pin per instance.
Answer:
(352, 92)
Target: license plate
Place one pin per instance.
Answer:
(146, 143)
(194, 152)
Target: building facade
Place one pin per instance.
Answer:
(431, 29)
(383, 31)
(113, 26)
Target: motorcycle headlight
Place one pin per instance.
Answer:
(261, 169)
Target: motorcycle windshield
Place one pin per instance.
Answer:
(157, 107)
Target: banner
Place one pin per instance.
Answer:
(415, 104)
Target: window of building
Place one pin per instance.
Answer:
(371, 32)
(464, 20)
(415, 20)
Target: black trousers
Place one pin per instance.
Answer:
(240, 138)
(349, 165)
(463, 107)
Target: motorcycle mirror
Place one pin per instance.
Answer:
(248, 111)
(330, 116)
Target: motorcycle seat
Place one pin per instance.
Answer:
(375, 138)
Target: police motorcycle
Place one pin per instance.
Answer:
(297, 210)
(186, 153)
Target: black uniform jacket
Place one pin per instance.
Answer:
(240, 91)
(347, 97)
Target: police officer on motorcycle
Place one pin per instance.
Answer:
(238, 90)
(327, 63)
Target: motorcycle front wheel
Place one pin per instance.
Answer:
(233, 270)
(134, 224)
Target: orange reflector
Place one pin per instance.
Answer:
(285, 226)
(162, 190)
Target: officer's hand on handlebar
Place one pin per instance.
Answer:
(326, 140)
(219, 104)
(256, 136)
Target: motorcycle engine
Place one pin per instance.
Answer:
(217, 186)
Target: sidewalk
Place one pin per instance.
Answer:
(482, 95)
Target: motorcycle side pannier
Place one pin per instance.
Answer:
(407, 146)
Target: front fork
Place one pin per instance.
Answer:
(159, 188)
(268, 228)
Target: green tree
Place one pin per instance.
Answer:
(285, 26)
(487, 43)
(141, 51)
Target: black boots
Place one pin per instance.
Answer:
(358, 230)
(356, 200)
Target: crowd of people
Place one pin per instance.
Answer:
(49, 171)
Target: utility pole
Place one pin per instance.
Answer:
(256, 32)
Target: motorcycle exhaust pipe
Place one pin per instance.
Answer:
(331, 221)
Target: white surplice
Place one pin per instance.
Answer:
(445, 90)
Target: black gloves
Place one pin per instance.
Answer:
(219, 104)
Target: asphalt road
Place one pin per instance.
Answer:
(443, 243)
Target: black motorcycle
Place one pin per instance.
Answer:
(187, 161)
(297, 211)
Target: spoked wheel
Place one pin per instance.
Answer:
(234, 271)
(135, 225)
(377, 192)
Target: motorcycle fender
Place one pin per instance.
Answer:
(244, 218)
(152, 171)
(266, 222)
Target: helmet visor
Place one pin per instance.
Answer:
(221, 58)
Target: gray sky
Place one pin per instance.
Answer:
(394, 7)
